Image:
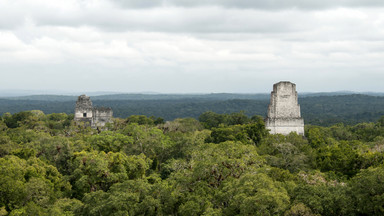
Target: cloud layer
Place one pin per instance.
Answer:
(255, 4)
(191, 46)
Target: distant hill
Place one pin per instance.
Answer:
(213, 96)
(316, 108)
(154, 96)
(7, 93)
(42, 98)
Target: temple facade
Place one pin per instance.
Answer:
(92, 116)
(284, 111)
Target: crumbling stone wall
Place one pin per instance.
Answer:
(284, 111)
(84, 110)
(91, 116)
(102, 115)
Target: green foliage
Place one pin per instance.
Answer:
(339, 158)
(316, 137)
(15, 120)
(367, 189)
(232, 133)
(93, 171)
(132, 197)
(380, 122)
(216, 162)
(140, 119)
(182, 125)
(322, 196)
(183, 142)
(29, 183)
(256, 130)
(366, 131)
(211, 119)
(150, 141)
(287, 156)
(66, 207)
(3, 126)
(223, 164)
(58, 121)
(109, 141)
(251, 133)
(300, 210)
(254, 194)
(201, 178)
(290, 152)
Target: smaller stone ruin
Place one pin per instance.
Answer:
(95, 117)
(284, 111)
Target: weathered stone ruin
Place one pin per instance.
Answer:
(284, 111)
(95, 117)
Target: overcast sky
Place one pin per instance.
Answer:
(191, 46)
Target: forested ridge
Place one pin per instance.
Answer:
(218, 164)
(319, 109)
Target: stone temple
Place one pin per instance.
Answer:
(284, 111)
(95, 117)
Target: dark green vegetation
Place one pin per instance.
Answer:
(221, 164)
(319, 109)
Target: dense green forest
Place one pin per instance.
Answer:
(319, 109)
(220, 164)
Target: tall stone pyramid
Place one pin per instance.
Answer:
(284, 111)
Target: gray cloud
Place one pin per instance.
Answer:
(207, 19)
(192, 46)
(255, 4)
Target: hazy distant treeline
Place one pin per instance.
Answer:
(318, 110)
